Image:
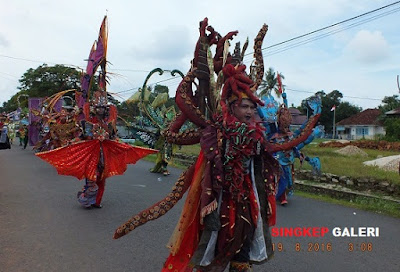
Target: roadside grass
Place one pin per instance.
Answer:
(336, 164)
(333, 163)
(193, 150)
(351, 166)
(380, 206)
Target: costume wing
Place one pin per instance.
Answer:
(118, 155)
(78, 159)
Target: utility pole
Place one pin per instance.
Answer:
(334, 115)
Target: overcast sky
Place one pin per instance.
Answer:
(360, 58)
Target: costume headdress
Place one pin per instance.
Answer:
(237, 86)
(284, 118)
(99, 99)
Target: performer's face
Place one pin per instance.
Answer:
(100, 110)
(244, 111)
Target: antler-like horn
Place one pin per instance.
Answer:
(259, 62)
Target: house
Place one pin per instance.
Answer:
(298, 119)
(363, 125)
(393, 113)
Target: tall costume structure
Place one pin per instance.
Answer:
(154, 119)
(230, 201)
(99, 154)
(277, 120)
(56, 128)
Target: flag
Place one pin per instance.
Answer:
(333, 108)
(279, 81)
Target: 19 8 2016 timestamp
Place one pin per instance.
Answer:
(322, 247)
(307, 247)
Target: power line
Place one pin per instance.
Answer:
(327, 27)
(278, 50)
(130, 70)
(344, 96)
(24, 59)
(155, 83)
(330, 33)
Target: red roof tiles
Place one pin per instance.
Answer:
(366, 117)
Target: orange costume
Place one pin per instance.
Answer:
(97, 157)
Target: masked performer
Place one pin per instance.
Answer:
(99, 154)
(97, 157)
(277, 120)
(230, 203)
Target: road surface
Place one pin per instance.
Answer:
(43, 228)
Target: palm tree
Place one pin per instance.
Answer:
(270, 83)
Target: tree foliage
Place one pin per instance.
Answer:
(270, 83)
(343, 109)
(390, 103)
(130, 110)
(391, 124)
(392, 128)
(44, 81)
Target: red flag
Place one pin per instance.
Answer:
(278, 79)
(333, 108)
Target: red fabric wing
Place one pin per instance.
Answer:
(78, 160)
(118, 155)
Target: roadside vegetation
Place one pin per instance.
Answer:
(331, 162)
(351, 166)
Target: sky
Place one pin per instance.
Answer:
(360, 58)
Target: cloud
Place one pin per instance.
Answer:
(3, 41)
(369, 47)
(165, 45)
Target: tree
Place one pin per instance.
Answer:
(270, 83)
(343, 109)
(391, 125)
(392, 128)
(390, 103)
(44, 81)
(160, 89)
(129, 110)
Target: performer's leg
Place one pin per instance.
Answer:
(241, 260)
(87, 196)
(164, 168)
(283, 199)
(101, 182)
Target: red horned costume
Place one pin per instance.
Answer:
(230, 201)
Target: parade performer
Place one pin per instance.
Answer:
(56, 128)
(154, 119)
(230, 201)
(4, 131)
(277, 120)
(99, 155)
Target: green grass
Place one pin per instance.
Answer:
(335, 164)
(331, 162)
(351, 166)
(189, 149)
(364, 203)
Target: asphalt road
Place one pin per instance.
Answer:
(43, 228)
